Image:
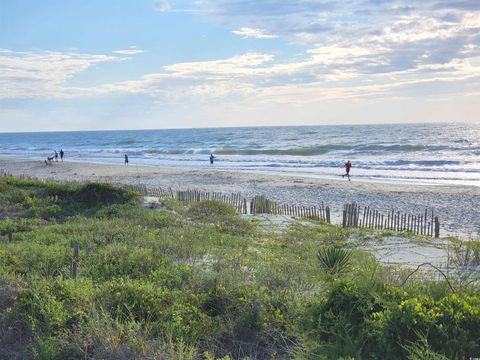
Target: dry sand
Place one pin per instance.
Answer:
(456, 206)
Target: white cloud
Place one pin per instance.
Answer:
(128, 52)
(408, 30)
(237, 65)
(247, 32)
(217, 77)
(256, 77)
(161, 5)
(346, 55)
(329, 72)
(353, 49)
(44, 73)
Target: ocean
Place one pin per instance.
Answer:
(413, 153)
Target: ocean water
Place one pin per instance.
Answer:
(420, 153)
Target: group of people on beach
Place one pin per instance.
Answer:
(348, 164)
(50, 159)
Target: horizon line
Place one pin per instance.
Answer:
(235, 127)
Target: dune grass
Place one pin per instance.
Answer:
(204, 283)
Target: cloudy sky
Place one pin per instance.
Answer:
(128, 64)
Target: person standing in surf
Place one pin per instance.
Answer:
(126, 159)
(212, 158)
(348, 166)
(61, 154)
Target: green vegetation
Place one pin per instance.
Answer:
(204, 283)
(465, 253)
(334, 260)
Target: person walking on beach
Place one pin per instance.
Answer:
(348, 166)
(61, 154)
(56, 156)
(211, 159)
(126, 159)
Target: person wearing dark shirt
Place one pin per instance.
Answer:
(348, 166)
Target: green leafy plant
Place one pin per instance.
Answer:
(334, 260)
(210, 210)
(421, 350)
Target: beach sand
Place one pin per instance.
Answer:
(456, 206)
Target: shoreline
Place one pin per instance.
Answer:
(454, 204)
(318, 178)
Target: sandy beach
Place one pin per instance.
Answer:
(456, 206)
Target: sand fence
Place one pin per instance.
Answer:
(353, 216)
(365, 217)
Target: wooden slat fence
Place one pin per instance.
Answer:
(365, 217)
(235, 200)
(353, 215)
(190, 196)
(261, 205)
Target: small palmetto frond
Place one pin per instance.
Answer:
(334, 260)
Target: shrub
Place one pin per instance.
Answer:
(338, 324)
(451, 323)
(12, 263)
(421, 350)
(121, 260)
(170, 312)
(210, 210)
(222, 215)
(49, 348)
(100, 194)
(172, 276)
(466, 253)
(136, 215)
(46, 261)
(51, 308)
(325, 233)
(7, 226)
(361, 321)
(47, 200)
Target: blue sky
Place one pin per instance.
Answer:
(118, 64)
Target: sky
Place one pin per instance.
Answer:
(143, 64)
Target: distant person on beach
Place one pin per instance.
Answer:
(212, 158)
(48, 161)
(126, 159)
(348, 166)
(56, 155)
(61, 154)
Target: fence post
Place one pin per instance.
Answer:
(74, 261)
(344, 222)
(437, 227)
